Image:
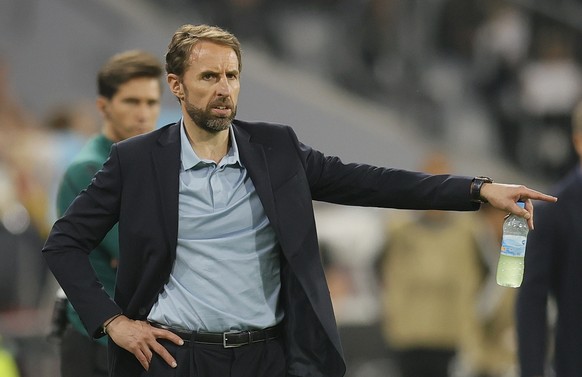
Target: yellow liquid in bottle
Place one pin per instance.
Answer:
(510, 271)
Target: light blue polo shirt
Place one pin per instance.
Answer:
(227, 270)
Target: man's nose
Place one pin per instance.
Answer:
(144, 111)
(223, 88)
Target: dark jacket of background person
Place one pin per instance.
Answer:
(553, 268)
(138, 187)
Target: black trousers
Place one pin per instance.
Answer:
(424, 362)
(81, 356)
(262, 359)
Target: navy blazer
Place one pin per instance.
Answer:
(138, 187)
(553, 268)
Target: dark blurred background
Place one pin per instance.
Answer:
(488, 83)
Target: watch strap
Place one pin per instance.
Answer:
(476, 185)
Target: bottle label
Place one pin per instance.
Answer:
(513, 246)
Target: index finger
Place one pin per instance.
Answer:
(536, 195)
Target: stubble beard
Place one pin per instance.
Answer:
(208, 122)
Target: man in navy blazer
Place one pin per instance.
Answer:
(170, 191)
(553, 261)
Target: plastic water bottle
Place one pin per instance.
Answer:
(511, 259)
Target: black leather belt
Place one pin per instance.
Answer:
(229, 339)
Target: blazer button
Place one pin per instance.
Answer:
(142, 311)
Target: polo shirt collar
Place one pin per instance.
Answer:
(191, 160)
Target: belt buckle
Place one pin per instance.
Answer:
(225, 339)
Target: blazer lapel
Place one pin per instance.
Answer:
(166, 162)
(254, 160)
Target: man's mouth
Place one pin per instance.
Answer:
(221, 110)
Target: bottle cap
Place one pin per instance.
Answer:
(521, 204)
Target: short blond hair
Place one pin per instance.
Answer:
(187, 36)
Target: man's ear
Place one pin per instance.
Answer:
(175, 85)
(101, 104)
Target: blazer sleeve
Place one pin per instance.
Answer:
(85, 223)
(333, 181)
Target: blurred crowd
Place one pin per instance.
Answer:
(33, 155)
(515, 66)
(424, 283)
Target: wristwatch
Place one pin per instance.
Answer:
(476, 185)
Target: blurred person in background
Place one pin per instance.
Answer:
(339, 281)
(18, 130)
(430, 270)
(219, 271)
(500, 48)
(36, 152)
(24, 292)
(24, 278)
(68, 127)
(129, 100)
(550, 85)
(13, 116)
(553, 273)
